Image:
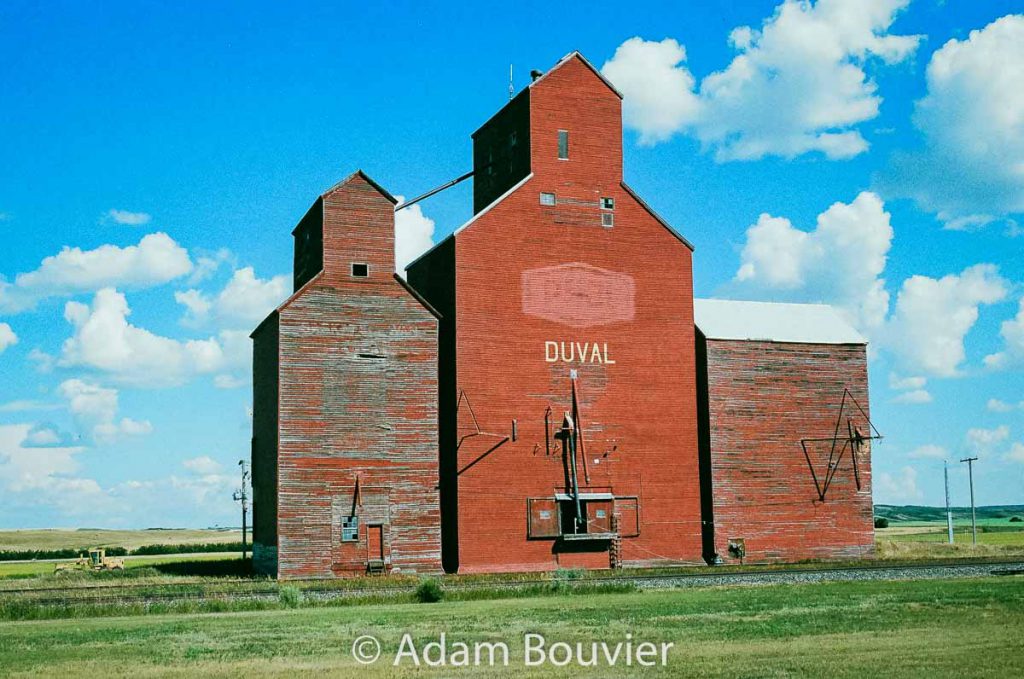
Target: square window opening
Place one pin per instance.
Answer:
(350, 529)
(607, 219)
(607, 203)
(360, 270)
(547, 198)
(563, 145)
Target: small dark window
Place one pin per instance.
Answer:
(350, 529)
(563, 145)
(567, 518)
(607, 203)
(360, 270)
(547, 198)
(607, 219)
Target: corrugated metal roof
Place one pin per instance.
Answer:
(725, 319)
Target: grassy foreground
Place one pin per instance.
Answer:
(945, 628)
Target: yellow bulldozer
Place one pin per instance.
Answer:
(96, 561)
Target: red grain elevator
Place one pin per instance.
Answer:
(568, 417)
(345, 422)
(785, 433)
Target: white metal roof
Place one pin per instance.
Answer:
(725, 319)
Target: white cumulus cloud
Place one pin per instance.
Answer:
(129, 218)
(897, 382)
(7, 337)
(900, 488)
(27, 405)
(243, 302)
(798, 84)
(912, 389)
(933, 316)
(982, 442)
(914, 396)
(203, 465)
(971, 170)
(1012, 332)
(414, 235)
(929, 451)
(104, 340)
(657, 90)
(839, 262)
(32, 476)
(997, 406)
(95, 410)
(156, 259)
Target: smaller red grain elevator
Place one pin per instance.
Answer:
(785, 432)
(567, 364)
(345, 438)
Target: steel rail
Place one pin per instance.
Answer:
(68, 596)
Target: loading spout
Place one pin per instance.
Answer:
(568, 436)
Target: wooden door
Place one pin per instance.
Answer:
(375, 543)
(599, 516)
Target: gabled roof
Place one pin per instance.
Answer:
(346, 180)
(576, 55)
(418, 297)
(561, 62)
(368, 179)
(724, 319)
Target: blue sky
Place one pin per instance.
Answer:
(155, 156)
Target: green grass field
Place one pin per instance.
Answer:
(85, 538)
(963, 536)
(943, 628)
(997, 538)
(25, 569)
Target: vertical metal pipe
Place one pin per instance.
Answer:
(949, 512)
(245, 511)
(575, 482)
(974, 520)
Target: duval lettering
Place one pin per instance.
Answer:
(577, 352)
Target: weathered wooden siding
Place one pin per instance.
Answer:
(358, 403)
(527, 274)
(264, 445)
(763, 397)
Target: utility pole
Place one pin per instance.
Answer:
(242, 495)
(949, 512)
(970, 474)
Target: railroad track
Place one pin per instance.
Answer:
(112, 594)
(187, 581)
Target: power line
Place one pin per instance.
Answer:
(242, 495)
(970, 473)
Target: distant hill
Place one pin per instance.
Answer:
(918, 513)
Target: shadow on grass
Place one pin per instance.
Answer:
(209, 568)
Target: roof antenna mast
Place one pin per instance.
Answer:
(511, 87)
